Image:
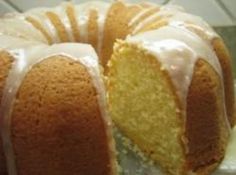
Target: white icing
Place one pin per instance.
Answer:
(82, 15)
(145, 22)
(13, 82)
(16, 25)
(177, 17)
(102, 9)
(61, 13)
(178, 50)
(39, 14)
(228, 165)
(155, 16)
(7, 42)
(139, 15)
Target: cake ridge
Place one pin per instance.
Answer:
(42, 18)
(27, 56)
(142, 14)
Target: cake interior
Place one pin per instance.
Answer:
(143, 105)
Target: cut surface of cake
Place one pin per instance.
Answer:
(170, 81)
(169, 89)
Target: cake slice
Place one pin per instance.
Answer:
(165, 93)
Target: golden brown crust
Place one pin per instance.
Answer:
(57, 127)
(70, 11)
(226, 65)
(5, 65)
(206, 138)
(116, 27)
(93, 28)
(59, 26)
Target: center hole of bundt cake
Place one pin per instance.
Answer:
(143, 106)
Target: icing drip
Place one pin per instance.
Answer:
(229, 163)
(82, 15)
(61, 12)
(177, 17)
(27, 54)
(19, 27)
(102, 9)
(40, 15)
(13, 82)
(139, 15)
(145, 22)
(155, 16)
(178, 50)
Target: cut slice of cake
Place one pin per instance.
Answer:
(165, 93)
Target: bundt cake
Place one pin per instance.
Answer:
(169, 89)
